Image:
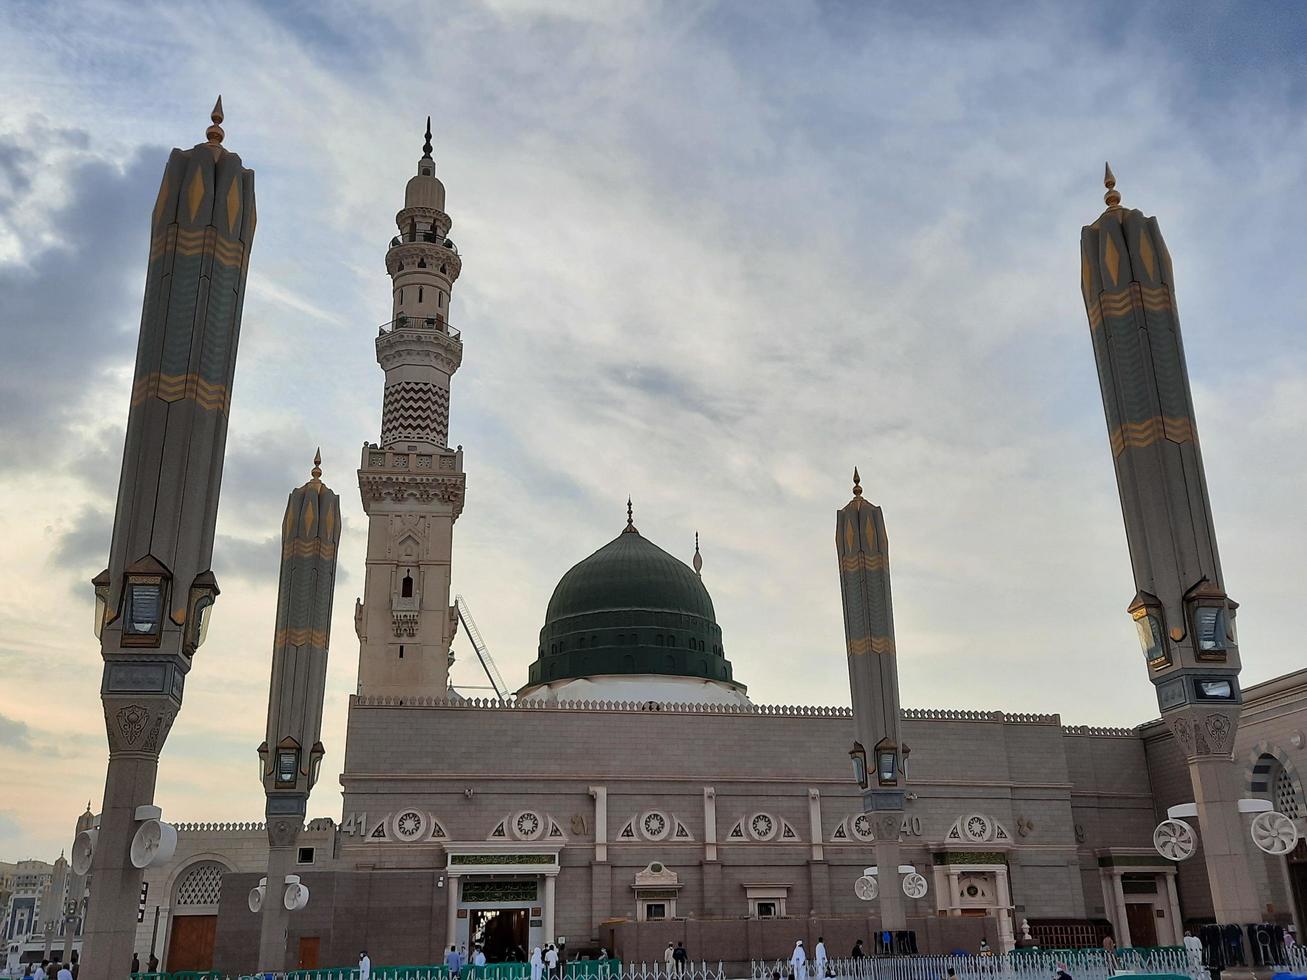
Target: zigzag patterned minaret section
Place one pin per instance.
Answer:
(153, 598)
(1184, 618)
(411, 482)
(862, 547)
(292, 752)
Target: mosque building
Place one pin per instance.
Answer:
(646, 797)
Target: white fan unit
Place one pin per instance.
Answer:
(915, 885)
(297, 895)
(84, 850)
(155, 843)
(257, 893)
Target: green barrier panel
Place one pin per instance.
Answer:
(330, 973)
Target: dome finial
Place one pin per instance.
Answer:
(857, 483)
(1113, 197)
(630, 519)
(698, 558)
(316, 472)
(214, 133)
(426, 147)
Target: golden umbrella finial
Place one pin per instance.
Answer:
(1113, 197)
(214, 133)
(857, 483)
(316, 472)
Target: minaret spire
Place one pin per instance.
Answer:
(411, 481)
(316, 472)
(862, 551)
(1184, 617)
(291, 753)
(1113, 197)
(214, 134)
(155, 596)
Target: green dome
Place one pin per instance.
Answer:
(630, 608)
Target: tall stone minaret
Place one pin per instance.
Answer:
(291, 752)
(153, 601)
(411, 481)
(1184, 617)
(863, 551)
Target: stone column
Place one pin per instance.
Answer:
(550, 882)
(1224, 838)
(154, 597)
(273, 955)
(1118, 900)
(601, 894)
(1173, 908)
(1006, 939)
(600, 795)
(814, 821)
(1109, 903)
(451, 913)
(709, 824)
(954, 893)
(110, 931)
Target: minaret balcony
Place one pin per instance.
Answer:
(406, 322)
(424, 236)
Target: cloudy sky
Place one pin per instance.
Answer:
(715, 255)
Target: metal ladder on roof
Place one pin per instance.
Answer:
(483, 652)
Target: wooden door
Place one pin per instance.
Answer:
(1141, 919)
(190, 946)
(309, 952)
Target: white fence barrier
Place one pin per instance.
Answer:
(1034, 965)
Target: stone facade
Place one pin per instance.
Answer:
(1066, 811)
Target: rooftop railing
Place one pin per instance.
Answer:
(424, 236)
(406, 322)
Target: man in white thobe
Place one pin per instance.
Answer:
(799, 961)
(537, 965)
(365, 966)
(819, 954)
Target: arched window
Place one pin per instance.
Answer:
(1271, 780)
(419, 294)
(580, 642)
(1287, 794)
(406, 587)
(199, 889)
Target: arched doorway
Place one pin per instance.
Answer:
(1275, 778)
(194, 920)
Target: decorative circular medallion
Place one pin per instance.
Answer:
(977, 827)
(914, 885)
(1175, 840)
(1274, 833)
(862, 828)
(865, 888)
(762, 826)
(410, 825)
(528, 825)
(655, 825)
